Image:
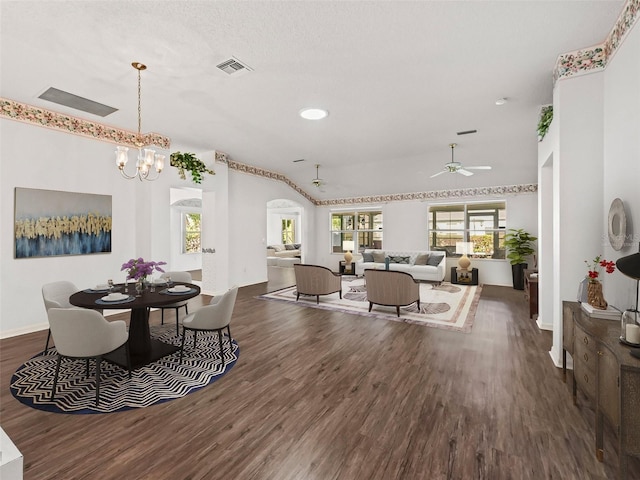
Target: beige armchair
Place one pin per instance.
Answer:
(395, 289)
(316, 280)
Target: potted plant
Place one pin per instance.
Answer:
(519, 245)
(546, 116)
(188, 161)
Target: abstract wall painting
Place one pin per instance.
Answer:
(52, 223)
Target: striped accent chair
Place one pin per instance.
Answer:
(316, 280)
(395, 289)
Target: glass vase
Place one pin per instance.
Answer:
(139, 287)
(630, 327)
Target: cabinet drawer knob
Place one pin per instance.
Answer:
(600, 353)
(585, 340)
(586, 357)
(586, 379)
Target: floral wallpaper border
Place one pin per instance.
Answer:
(587, 60)
(395, 197)
(77, 126)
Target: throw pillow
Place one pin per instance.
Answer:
(289, 246)
(296, 246)
(367, 257)
(378, 257)
(278, 247)
(399, 259)
(422, 259)
(434, 260)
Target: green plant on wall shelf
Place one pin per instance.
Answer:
(188, 161)
(546, 115)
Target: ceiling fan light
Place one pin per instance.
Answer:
(313, 113)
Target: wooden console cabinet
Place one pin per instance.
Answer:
(531, 291)
(609, 376)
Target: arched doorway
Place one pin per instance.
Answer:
(285, 242)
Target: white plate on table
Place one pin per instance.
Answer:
(114, 297)
(102, 286)
(179, 289)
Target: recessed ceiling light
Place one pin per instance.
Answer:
(501, 101)
(313, 113)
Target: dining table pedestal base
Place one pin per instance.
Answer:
(143, 349)
(157, 350)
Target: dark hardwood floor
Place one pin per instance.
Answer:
(322, 395)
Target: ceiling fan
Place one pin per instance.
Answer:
(457, 167)
(317, 182)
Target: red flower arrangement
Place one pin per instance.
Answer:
(597, 264)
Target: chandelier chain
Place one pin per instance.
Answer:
(139, 109)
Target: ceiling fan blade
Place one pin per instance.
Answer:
(479, 167)
(439, 173)
(464, 172)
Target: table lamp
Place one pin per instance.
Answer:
(348, 246)
(464, 248)
(630, 266)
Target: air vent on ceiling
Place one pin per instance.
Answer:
(233, 66)
(79, 103)
(298, 160)
(467, 132)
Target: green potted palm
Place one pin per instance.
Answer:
(519, 245)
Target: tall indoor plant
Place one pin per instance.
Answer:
(519, 245)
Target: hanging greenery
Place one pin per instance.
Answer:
(546, 115)
(188, 161)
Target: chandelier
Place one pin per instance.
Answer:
(146, 159)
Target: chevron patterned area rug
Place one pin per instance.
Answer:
(158, 382)
(446, 306)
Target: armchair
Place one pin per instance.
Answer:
(390, 288)
(316, 280)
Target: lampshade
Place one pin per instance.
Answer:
(630, 265)
(348, 245)
(464, 248)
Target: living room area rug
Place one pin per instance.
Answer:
(446, 306)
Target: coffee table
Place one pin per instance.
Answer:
(143, 349)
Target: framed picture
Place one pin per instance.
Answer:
(52, 223)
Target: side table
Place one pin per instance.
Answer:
(347, 269)
(468, 281)
(531, 291)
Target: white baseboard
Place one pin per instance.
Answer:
(24, 330)
(542, 325)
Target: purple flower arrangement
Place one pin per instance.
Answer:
(139, 269)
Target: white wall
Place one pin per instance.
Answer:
(34, 157)
(406, 228)
(248, 197)
(576, 191)
(621, 176)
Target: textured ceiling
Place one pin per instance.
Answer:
(398, 78)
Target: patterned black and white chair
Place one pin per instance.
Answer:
(214, 317)
(183, 277)
(80, 333)
(56, 295)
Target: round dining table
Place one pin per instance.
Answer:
(143, 348)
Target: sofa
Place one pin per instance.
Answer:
(421, 265)
(289, 250)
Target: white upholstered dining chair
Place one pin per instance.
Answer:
(175, 277)
(56, 295)
(214, 317)
(81, 333)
